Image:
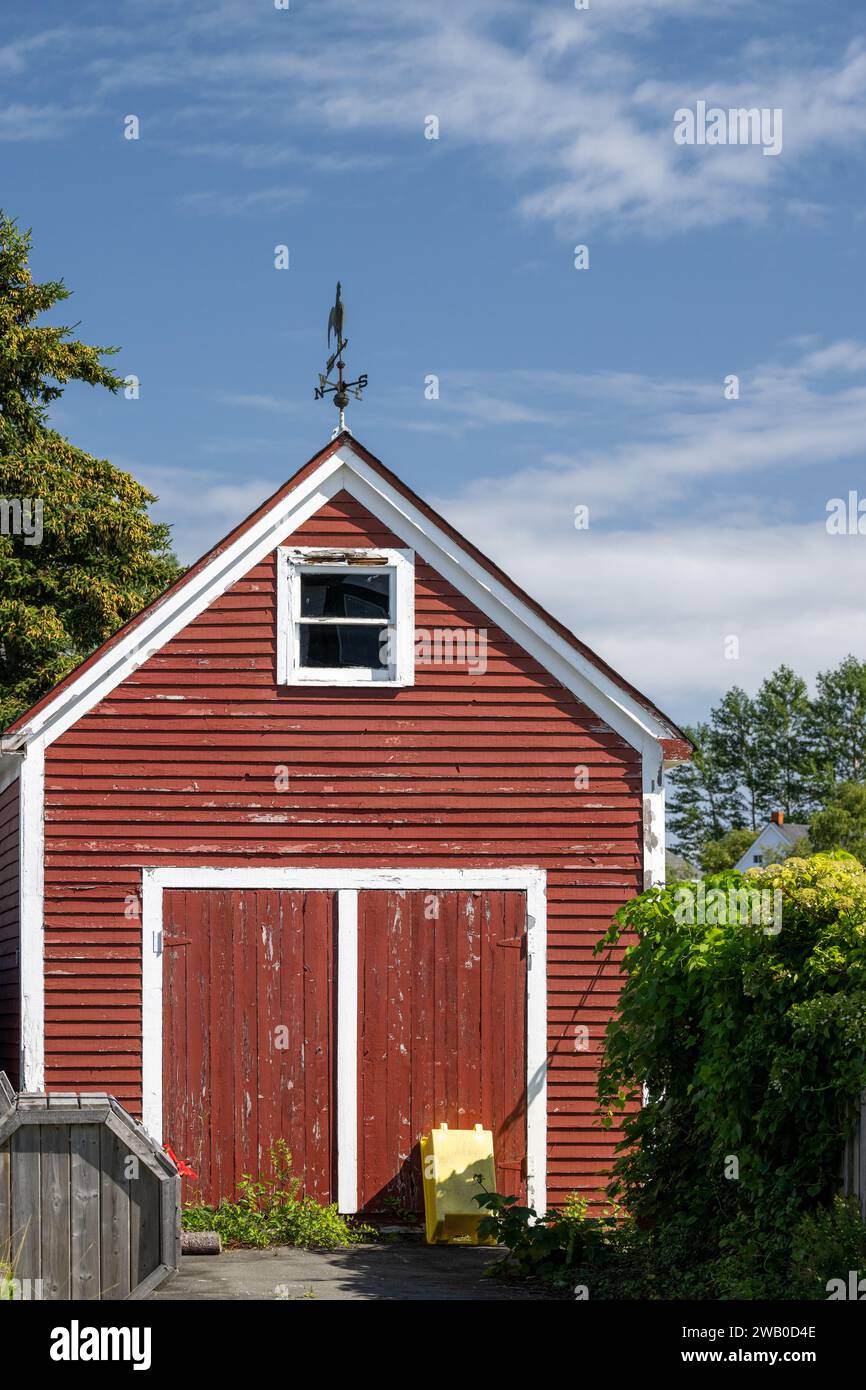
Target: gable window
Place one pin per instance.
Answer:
(345, 617)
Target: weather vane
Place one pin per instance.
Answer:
(341, 390)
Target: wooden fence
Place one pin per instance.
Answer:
(89, 1205)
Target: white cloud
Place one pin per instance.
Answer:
(680, 440)
(696, 529)
(258, 400)
(218, 204)
(22, 121)
(659, 604)
(200, 505)
(555, 100)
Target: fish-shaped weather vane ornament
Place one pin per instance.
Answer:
(340, 389)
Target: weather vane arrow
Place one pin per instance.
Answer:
(340, 389)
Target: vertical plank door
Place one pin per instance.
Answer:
(441, 1034)
(248, 979)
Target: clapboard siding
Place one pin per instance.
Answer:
(178, 766)
(10, 1006)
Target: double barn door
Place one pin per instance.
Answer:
(435, 988)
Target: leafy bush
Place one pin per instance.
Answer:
(751, 1039)
(842, 822)
(270, 1211)
(828, 1243)
(545, 1247)
(611, 1257)
(724, 853)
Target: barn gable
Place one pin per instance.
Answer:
(345, 465)
(175, 773)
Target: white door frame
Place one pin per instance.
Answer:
(347, 883)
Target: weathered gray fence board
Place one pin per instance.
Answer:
(84, 1187)
(143, 1224)
(55, 1211)
(115, 1216)
(5, 1213)
(89, 1205)
(26, 1156)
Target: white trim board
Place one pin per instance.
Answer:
(31, 867)
(347, 1049)
(348, 883)
(653, 801)
(177, 609)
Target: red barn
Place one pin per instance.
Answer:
(318, 848)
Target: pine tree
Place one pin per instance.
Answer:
(698, 798)
(838, 727)
(79, 554)
(782, 756)
(735, 739)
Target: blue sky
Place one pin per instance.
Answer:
(558, 387)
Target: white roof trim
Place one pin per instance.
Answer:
(178, 609)
(624, 714)
(346, 469)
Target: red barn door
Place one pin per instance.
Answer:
(247, 1034)
(441, 1033)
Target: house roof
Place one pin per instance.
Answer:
(791, 831)
(357, 468)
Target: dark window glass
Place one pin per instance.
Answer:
(339, 644)
(345, 596)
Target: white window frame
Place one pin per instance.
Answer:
(293, 561)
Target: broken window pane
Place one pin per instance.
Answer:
(346, 595)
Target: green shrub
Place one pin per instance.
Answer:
(545, 1247)
(270, 1211)
(750, 1036)
(828, 1243)
(751, 1039)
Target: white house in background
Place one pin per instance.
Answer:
(775, 839)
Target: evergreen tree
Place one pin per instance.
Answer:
(781, 746)
(697, 797)
(79, 554)
(778, 751)
(735, 737)
(838, 727)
